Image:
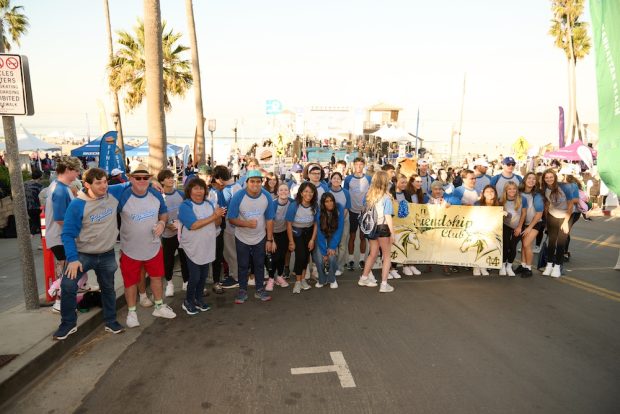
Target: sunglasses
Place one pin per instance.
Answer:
(141, 178)
(511, 164)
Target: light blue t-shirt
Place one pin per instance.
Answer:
(199, 244)
(513, 217)
(300, 216)
(246, 207)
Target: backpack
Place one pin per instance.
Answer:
(583, 205)
(368, 222)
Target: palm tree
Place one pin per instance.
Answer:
(148, 73)
(570, 35)
(128, 66)
(14, 23)
(199, 139)
(116, 116)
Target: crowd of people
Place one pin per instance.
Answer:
(245, 232)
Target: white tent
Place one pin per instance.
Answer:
(388, 133)
(28, 142)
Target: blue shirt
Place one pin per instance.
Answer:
(332, 243)
(246, 207)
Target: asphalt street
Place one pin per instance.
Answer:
(436, 345)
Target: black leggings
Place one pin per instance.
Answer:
(281, 240)
(219, 257)
(169, 245)
(510, 244)
(302, 254)
(541, 233)
(574, 218)
(557, 240)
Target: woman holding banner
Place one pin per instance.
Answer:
(378, 196)
(488, 198)
(515, 210)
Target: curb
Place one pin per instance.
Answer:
(44, 355)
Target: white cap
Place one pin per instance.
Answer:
(422, 162)
(115, 171)
(481, 162)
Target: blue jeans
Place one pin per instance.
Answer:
(333, 266)
(104, 265)
(255, 254)
(196, 282)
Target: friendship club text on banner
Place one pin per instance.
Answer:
(454, 235)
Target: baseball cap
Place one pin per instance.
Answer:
(422, 162)
(508, 160)
(253, 174)
(297, 168)
(481, 162)
(115, 171)
(314, 167)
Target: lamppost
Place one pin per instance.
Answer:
(212, 130)
(235, 131)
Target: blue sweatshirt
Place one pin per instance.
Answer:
(334, 240)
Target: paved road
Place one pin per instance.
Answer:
(458, 344)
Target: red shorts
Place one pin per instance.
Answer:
(131, 268)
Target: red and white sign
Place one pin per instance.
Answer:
(12, 95)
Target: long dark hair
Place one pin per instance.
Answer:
(482, 200)
(419, 193)
(329, 219)
(554, 188)
(299, 197)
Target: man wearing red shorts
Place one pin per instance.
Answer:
(143, 219)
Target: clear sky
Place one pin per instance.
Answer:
(410, 53)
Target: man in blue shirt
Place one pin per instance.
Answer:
(500, 181)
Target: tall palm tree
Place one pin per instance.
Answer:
(14, 24)
(153, 83)
(116, 116)
(199, 139)
(127, 68)
(571, 35)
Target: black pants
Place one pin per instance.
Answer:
(281, 240)
(557, 240)
(574, 218)
(301, 237)
(219, 257)
(169, 245)
(541, 233)
(510, 244)
(35, 221)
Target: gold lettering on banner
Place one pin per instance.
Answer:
(456, 235)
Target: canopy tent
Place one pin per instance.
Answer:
(91, 149)
(143, 150)
(388, 133)
(569, 152)
(28, 142)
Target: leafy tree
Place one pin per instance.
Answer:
(12, 22)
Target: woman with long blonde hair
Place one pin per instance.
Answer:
(515, 211)
(379, 198)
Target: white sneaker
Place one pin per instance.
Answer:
(297, 287)
(338, 273)
(509, 270)
(548, 269)
(394, 273)
(164, 311)
(484, 271)
(536, 249)
(385, 288)
(372, 277)
(252, 282)
(502, 270)
(477, 271)
(366, 281)
(184, 287)
(415, 270)
(318, 285)
(305, 285)
(56, 306)
(556, 271)
(407, 271)
(169, 289)
(333, 285)
(132, 319)
(145, 302)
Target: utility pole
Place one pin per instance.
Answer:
(458, 147)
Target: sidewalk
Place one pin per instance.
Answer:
(28, 334)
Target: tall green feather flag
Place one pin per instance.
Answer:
(606, 32)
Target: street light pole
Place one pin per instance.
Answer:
(212, 130)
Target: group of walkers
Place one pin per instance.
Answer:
(247, 231)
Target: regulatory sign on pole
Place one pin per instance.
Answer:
(15, 90)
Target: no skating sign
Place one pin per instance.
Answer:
(15, 91)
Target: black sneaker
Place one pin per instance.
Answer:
(202, 306)
(114, 327)
(64, 331)
(526, 273)
(229, 283)
(189, 308)
(520, 269)
(287, 272)
(351, 266)
(362, 264)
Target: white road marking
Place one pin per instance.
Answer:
(340, 367)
